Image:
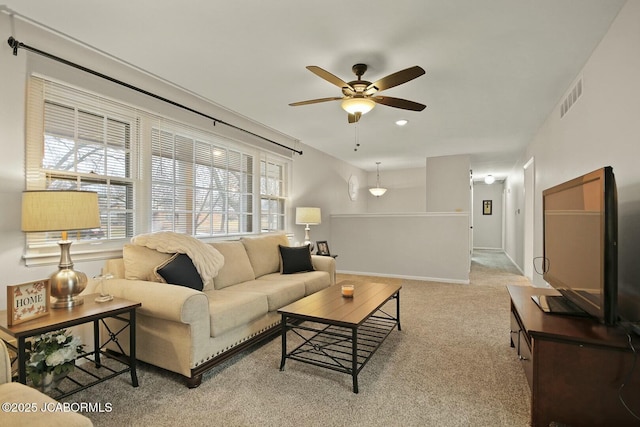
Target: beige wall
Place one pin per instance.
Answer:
(448, 186)
(407, 191)
(420, 246)
(487, 229)
(320, 180)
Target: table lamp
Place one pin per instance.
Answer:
(53, 210)
(308, 216)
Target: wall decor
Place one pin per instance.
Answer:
(353, 187)
(323, 248)
(487, 207)
(27, 301)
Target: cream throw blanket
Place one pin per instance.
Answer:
(207, 260)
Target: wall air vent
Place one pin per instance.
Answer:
(571, 98)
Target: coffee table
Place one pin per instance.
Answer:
(340, 333)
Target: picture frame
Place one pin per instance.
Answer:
(323, 248)
(28, 301)
(487, 207)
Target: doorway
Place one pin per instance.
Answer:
(529, 213)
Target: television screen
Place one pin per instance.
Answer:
(580, 242)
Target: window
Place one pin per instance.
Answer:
(273, 179)
(199, 187)
(151, 173)
(75, 141)
(91, 151)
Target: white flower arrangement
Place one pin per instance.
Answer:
(53, 352)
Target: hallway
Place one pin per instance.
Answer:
(490, 267)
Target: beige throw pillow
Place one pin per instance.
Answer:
(236, 268)
(140, 262)
(264, 252)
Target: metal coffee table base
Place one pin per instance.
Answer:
(340, 348)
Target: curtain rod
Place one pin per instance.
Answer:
(15, 45)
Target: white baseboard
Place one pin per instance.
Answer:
(514, 264)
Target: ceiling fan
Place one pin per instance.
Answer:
(360, 96)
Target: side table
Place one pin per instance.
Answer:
(90, 311)
(332, 256)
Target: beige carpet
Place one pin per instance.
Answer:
(451, 365)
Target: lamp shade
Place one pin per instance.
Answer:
(305, 215)
(358, 105)
(54, 210)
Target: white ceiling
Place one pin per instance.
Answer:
(495, 69)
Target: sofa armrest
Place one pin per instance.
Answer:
(325, 263)
(162, 300)
(5, 364)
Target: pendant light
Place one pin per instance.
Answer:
(377, 190)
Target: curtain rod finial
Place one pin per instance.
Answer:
(14, 44)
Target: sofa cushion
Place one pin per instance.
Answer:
(263, 252)
(140, 262)
(179, 270)
(278, 293)
(236, 268)
(295, 259)
(23, 396)
(229, 309)
(314, 281)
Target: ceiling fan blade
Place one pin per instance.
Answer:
(394, 79)
(353, 118)
(398, 103)
(329, 77)
(315, 101)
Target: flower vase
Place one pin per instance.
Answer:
(51, 381)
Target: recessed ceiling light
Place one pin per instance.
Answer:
(402, 122)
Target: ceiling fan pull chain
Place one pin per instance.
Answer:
(357, 132)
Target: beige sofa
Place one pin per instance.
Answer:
(189, 331)
(26, 406)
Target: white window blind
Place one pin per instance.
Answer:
(273, 194)
(199, 186)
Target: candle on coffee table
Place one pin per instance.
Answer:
(347, 290)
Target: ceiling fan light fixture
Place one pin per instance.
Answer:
(358, 105)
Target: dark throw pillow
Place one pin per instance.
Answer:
(295, 259)
(179, 270)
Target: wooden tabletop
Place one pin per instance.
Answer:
(557, 326)
(329, 306)
(59, 318)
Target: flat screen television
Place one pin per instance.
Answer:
(580, 245)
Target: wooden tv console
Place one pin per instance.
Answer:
(574, 366)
